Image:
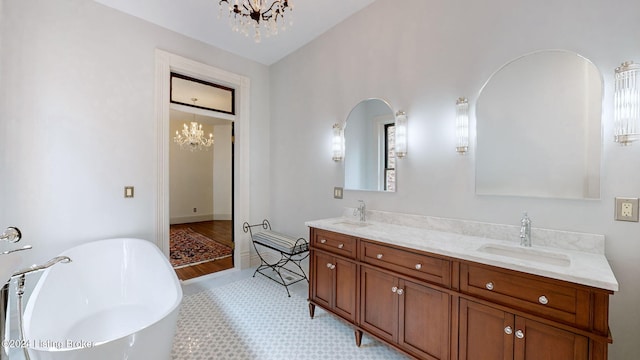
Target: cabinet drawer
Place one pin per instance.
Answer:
(556, 299)
(419, 266)
(335, 243)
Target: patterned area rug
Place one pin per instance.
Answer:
(188, 247)
(253, 319)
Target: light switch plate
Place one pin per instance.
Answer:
(626, 209)
(337, 192)
(128, 191)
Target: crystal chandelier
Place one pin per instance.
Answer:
(192, 137)
(261, 15)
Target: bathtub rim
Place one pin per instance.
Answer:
(36, 290)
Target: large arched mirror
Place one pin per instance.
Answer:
(369, 160)
(539, 128)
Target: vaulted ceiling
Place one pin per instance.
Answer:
(200, 19)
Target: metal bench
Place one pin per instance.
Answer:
(291, 250)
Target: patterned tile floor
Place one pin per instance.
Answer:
(240, 317)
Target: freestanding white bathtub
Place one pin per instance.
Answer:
(117, 299)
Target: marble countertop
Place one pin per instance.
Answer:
(581, 267)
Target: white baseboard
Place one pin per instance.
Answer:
(245, 262)
(190, 219)
(222, 217)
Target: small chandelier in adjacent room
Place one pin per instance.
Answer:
(626, 112)
(261, 15)
(192, 137)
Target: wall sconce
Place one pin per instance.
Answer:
(337, 147)
(626, 99)
(462, 125)
(401, 134)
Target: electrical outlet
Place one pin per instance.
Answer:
(626, 209)
(195, 209)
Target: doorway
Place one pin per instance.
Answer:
(201, 240)
(165, 64)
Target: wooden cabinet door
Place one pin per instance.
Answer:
(485, 333)
(344, 300)
(538, 341)
(379, 303)
(321, 279)
(424, 320)
(333, 284)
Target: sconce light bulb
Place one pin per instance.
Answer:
(337, 146)
(462, 125)
(401, 134)
(626, 98)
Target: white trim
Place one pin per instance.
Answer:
(191, 219)
(165, 64)
(203, 112)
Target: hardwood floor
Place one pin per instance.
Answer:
(190, 272)
(218, 230)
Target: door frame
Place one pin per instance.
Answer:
(165, 63)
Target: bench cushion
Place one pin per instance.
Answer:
(280, 242)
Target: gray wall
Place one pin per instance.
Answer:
(421, 61)
(78, 121)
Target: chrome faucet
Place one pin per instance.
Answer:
(48, 264)
(4, 297)
(525, 230)
(361, 210)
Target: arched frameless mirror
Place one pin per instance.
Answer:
(369, 160)
(539, 128)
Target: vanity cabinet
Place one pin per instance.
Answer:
(431, 306)
(333, 274)
(490, 333)
(409, 315)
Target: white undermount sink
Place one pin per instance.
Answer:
(348, 223)
(527, 253)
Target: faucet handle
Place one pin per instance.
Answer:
(11, 234)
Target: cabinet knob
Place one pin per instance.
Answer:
(508, 330)
(489, 285)
(543, 300)
(519, 334)
(322, 241)
(418, 266)
(400, 291)
(340, 246)
(333, 267)
(379, 256)
(329, 265)
(394, 289)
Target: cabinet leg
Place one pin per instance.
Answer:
(312, 310)
(358, 334)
